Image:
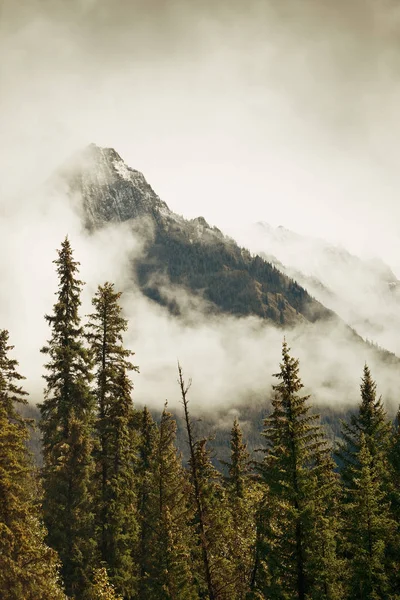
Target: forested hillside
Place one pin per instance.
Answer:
(188, 252)
(114, 513)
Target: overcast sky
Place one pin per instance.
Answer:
(283, 111)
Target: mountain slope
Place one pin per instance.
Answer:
(189, 253)
(364, 293)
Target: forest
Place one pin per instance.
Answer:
(115, 513)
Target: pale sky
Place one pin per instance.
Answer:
(285, 112)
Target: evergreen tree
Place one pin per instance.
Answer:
(394, 494)
(325, 566)
(239, 467)
(364, 453)
(244, 496)
(294, 464)
(370, 528)
(102, 589)
(370, 421)
(67, 426)
(218, 526)
(115, 453)
(147, 451)
(212, 519)
(169, 576)
(394, 455)
(28, 567)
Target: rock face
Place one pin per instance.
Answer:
(188, 253)
(111, 191)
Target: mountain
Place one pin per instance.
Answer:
(189, 253)
(364, 293)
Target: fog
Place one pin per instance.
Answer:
(282, 112)
(364, 292)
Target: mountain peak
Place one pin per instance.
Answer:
(109, 188)
(101, 153)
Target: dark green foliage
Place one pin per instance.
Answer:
(239, 467)
(169, 574)
(146, 466)
(128, 520)
(394, 456)
(28, 567)
(370, 529)
(115, 452)
(227, 275)
(294, 468)
(216, 530)
(370, 421)
(214, 562)
(371, 541)
(243, 496)
(67, 427)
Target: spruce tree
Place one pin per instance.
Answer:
(170, 533)
(147, 451)
(394, 456)
(364, 454)
(243, 495)
(28, 567)
(394, 494)
(372, 422)
(115, 452)
(218, 526)
(294, 463)
(211, 516)
(67, 427)
(102, 589)
(370, 529)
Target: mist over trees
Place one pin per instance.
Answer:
(116, 513)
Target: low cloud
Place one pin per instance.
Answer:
(231, 360)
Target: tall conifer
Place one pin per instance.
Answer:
(115, 452)
(28, 567)
(371, 422)
(170, 573)
(243, 495)
(147, 452)
(370, 529)
(296, 451)
(67, 427)
(366, 472)
(212, 518)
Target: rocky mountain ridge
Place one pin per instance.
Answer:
(189, 253)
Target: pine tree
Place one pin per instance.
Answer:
(147, 452)
(102, 589)
(364, 453)
(28, 567)
(244, 496)
(212, 518)
(218, 527)
(169, 576)
(295, 458)
(370, 528)
(67, 426)
(239, 467)
(394, 455)
(325, 566)
(115, 454)
(394, 495)
(370, 421)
